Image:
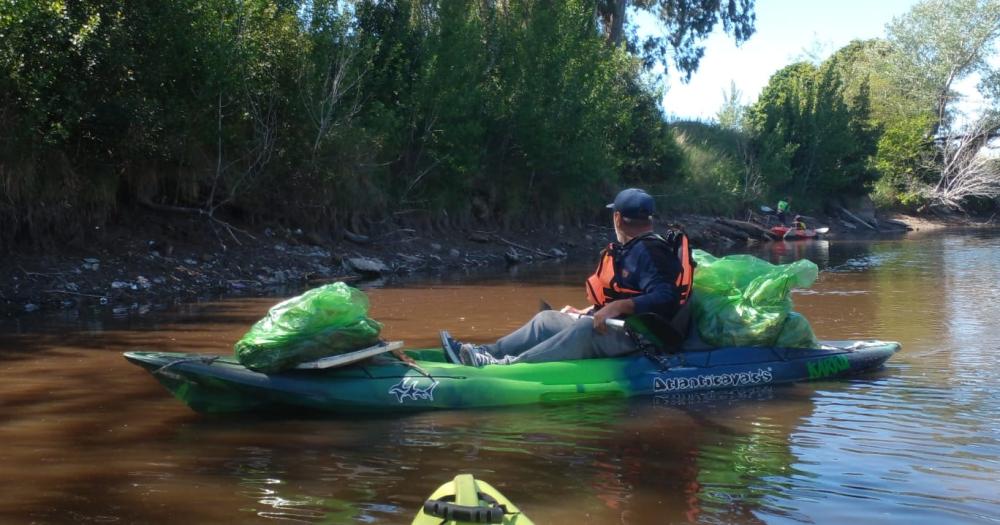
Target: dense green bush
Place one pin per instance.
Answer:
(809, 137)
(316, 112)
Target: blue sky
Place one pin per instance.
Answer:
(786, 30)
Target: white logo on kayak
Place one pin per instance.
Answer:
(409, 388)
(672, 384)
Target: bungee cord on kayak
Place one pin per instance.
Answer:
(204, 359)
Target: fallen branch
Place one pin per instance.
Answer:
(897, 224)
(41, 274)
(728, 231)
(855, 218)
(398, 231)
(966, 171)
(356, 238)
(748, 227)
(81, 294)
(525, 248)
(57, 275)
(209, 214)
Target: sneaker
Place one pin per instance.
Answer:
(477, 356)
(450, 347)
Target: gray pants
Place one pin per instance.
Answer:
(555, 336)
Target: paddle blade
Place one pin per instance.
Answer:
(765, 209)
(824, 229)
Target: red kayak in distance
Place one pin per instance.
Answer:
(791, 234)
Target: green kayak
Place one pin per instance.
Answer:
(469, 500)
(385, 383)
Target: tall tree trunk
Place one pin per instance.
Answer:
(942, 104)
(616, 22)
(611, 13)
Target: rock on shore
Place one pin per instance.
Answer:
(132, 267)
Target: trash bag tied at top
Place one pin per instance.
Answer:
(740, 300)
(325, 321)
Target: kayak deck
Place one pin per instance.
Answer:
(221, 384)
(466, 499)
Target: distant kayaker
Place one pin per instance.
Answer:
(798, 223)
(642, 273)
(783, 207)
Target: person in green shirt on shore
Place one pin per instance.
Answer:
(783, 207)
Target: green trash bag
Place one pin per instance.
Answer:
(740, 300)
(329, 320)
(796, 333)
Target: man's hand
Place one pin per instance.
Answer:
(572, 310)
(611, 311)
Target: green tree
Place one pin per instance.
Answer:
(809, 137)
(936, 44)
(322, 113)
(903, 124)
(681, 26)
(730, 115)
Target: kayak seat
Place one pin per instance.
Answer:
(666, 336)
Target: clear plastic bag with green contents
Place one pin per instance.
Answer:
(740, 300)
(325, 321)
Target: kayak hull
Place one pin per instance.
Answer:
(793, 234)
(219, 384)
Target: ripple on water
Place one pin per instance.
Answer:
(861, 264)
(917, 442)
(906, 449)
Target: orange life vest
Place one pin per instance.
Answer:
(604, 286)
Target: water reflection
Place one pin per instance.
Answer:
(89, 438)
(783, 252)
(601, 462)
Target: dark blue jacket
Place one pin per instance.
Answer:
(648, 266)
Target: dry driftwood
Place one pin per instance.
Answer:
(855, 218)
(965, 170)
(732, 233)
(524, 248)
(356, 238)
(897, 224)
(754, 230)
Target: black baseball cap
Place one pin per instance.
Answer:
(634, 203)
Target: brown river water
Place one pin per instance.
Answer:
(86, 437)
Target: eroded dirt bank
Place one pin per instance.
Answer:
(154, 261)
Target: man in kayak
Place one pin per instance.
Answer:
(641, 274)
